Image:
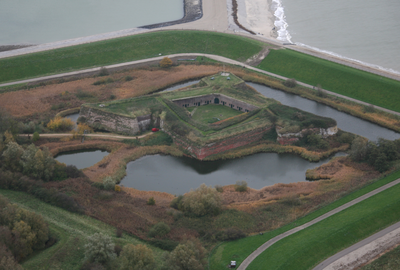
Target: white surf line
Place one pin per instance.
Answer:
(272, 241)
(215, 57)
(363, 251)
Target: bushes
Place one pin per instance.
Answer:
(99, 248)
(104, 81)
(151, 201)
(166, 62)
(159, 138)
(290, 83)
(15, 181)
(229, 234)
(202, 201)
(241, 186)
(60, 124)
(103, 72)
(164, 244)
(159, 230)
(108, 183)
(188, 255)
(137, 257)
(21, 231)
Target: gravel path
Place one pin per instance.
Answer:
(269, 243)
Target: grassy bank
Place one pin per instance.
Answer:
(124, 50)
(335, 77)
(240, 249)
(71, 231)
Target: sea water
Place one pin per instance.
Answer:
(42, 21)
(363, 30)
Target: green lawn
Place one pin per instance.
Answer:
(213, 113)
(126, 49)
(71, 231)
(338, 78)
(238, 250)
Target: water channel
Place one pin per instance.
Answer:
(179, 175)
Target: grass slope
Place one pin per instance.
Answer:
(388, 261)
(335, 77)
(124, 50)
(70, 229)
(213, 113)
(239, 250)
(306, 248)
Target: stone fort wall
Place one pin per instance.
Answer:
(215, 99)
(114, 122)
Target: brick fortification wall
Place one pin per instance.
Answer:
(114, 122)
(215, 99)
(222, 145)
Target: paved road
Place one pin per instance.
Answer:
(187, 55)
(356, 246)
(269, 243)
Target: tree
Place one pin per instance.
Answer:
(189, 255)
(35, 136)
(108, 183)
(99, 248)
(160, 229)
(202, 201)
(12, 156)
(358, 149)
(166, 62)
(137, 257)
(241, 186)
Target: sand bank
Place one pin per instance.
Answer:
(257, 16)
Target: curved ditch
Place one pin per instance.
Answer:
(81, 158)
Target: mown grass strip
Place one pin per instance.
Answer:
(71, 231)
(126, 49)
(239, 250)
(308, 247)
(335, 77)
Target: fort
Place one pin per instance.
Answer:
(218, 114)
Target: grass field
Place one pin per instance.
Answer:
(338, 78)
(296, 255)
(213, 113)
(388, 261)
(71, 231)
(124, 50)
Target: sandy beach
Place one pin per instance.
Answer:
(257, 16)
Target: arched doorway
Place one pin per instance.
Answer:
(216, 101)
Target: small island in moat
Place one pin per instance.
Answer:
(219, 113)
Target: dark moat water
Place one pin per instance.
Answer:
(81, 159)
(73, 117)
(179, 175)
(345, 121)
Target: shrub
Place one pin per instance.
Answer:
(321, 93)
(177, 202)
(165, 244)
(119, 232)
(35, 136)
(99, 248)
(219, 188)
(188, 255)
(159, 230)
(103, 72)
(230, 234)
(83, 94)
(117, 188)
(166, 62)
(117, 250)
(202, 201)
(369, 109)
(137, 257)
(108, 183)
(73, 172)
(60, 124)
(290, 83)
(241, 186)
(112, 96)
(151, 201)
(128, 78)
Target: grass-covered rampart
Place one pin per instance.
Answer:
(334, 77)
(126, 49)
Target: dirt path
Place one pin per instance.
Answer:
(272, 241)
(105, 136)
